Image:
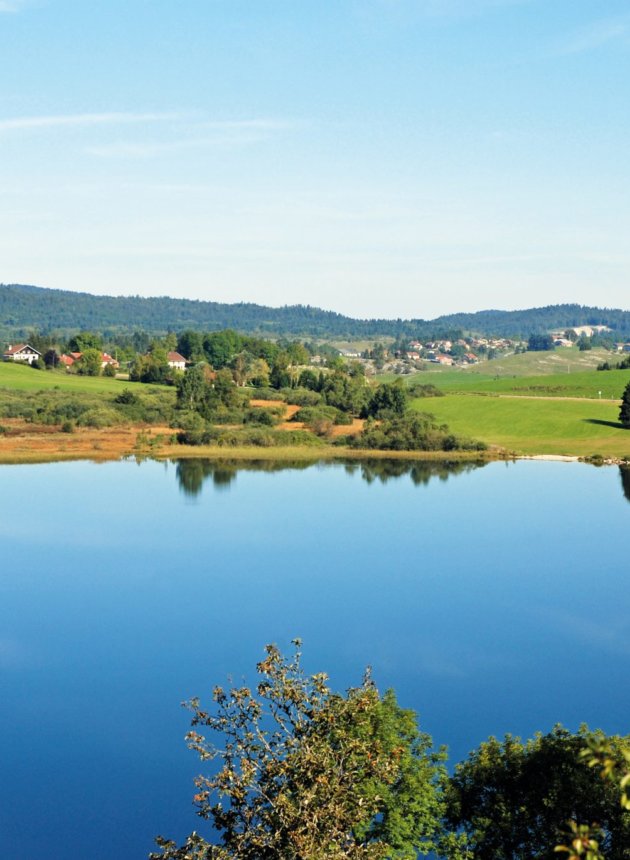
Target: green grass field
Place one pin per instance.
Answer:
(23, 378)
(586, 384)
(534, 426)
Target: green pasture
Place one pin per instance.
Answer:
(534, 426)
(588, 384)
(561, 373)
(24, 378)
(558, 360)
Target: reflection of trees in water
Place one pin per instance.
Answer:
(192, 473)
(420, 471)
(624, 473)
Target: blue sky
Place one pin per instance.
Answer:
(375, 157)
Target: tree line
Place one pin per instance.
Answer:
(23, 308)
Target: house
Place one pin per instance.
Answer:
(176, 360)
(21, 352)
(69, 360)
(106, 359)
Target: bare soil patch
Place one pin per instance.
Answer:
(347, 429)
(289, 408)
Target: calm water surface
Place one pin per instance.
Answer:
(493, 600)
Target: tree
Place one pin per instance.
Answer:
(584, 343)
(152, 367)
(513, 799)
(192, 387)
(258, 374)
(624, 412)
(389, 400)
(51, 358)
(220, 346)
(307, 774)
(90, 362)
(613, 762)
(540, 342)
(190, 345)
(85, 340)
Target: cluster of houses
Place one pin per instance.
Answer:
(560, 337)
(24, 352)
(460, 352)
(73, 357)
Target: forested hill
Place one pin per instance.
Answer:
(23, 308)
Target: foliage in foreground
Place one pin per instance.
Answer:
(513, 799)
(613, 762)
(307, 774)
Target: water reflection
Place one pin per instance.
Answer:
(192, 473)
(420, 471)
(624, 473)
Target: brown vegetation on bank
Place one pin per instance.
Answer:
(23, 442)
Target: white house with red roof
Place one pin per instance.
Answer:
(176, 360)
(106, 359)
(21, 352)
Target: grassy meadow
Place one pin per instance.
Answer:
(17, 377)
(584, 383)
(534, 426)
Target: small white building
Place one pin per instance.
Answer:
(21, 352)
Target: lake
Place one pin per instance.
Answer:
(493, 599)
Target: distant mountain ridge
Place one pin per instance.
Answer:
(26, 307)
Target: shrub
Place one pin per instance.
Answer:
(303, 397)
(98, 417)
(414, 432)
(127, 397)
(263, 417)
(266, 394)
(426, 389)
(343, 418)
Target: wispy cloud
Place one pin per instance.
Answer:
(208, 133)
(11, 5)
(82, 119)
(596, 35)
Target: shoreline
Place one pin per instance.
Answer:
(42, 444)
